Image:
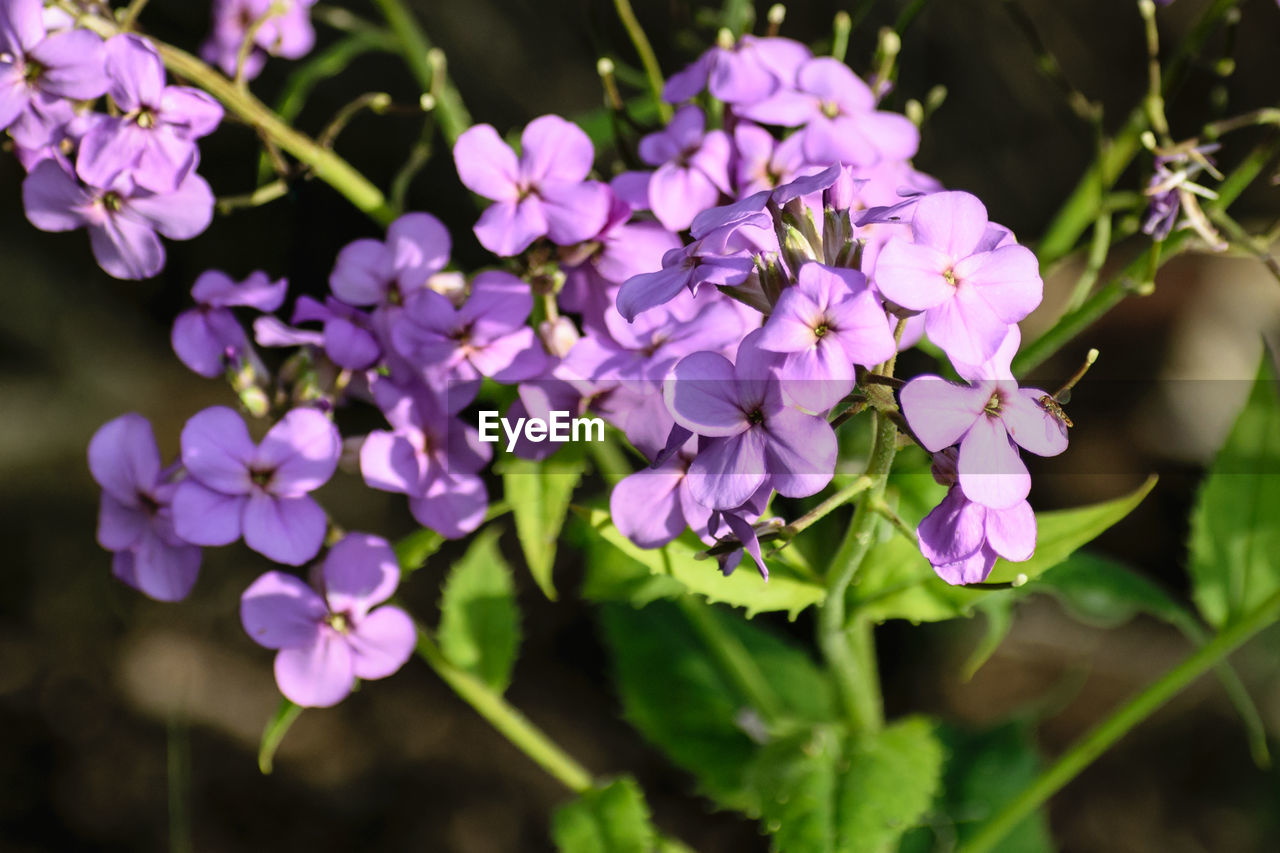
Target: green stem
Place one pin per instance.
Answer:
(733, 657)
(1083, 752)
(647, 57)
(1138, 271)
(1082, 206)
(324, 164)
(849, 649)
(417, 51)
(509, 722)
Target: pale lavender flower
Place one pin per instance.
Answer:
(209, 338)
(756, 439)
(749, 70)
(235, 488)
(153, 138)
(967, 275)
(693, 167)
(488, 336)
(330, 634)
(135, 520)
(763, 162)
(828, 322)
(285, 31)
(380, 272)
(123, 219)
(543, 192)
(37, 67)
(840, 121)
(429, 456)
(989, 420)
(706, 261)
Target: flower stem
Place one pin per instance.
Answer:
(733, 657)
(1103, 736)
(1134, 276)
(1081, 208)
(510, 722)
(425, 61)
(647, 57)
(849, 649)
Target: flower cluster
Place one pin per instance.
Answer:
(719, 310)
(127, 175)
(246, 32)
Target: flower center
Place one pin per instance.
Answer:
(32, 72)
(755, 417)
(830, 109)
(262, 477)
(339, 622)
(821, 330)
(993, 405)
(149, 504)
(112, 201)
(146, 118)
(950, 275)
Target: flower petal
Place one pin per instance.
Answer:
(202, 516)
(286, 530)
(319, 675)
(217, 450)
(941, 412)
(382, 642)
(991, 471)
(302, 450)
(279, 611)
(359, 572)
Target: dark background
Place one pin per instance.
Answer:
(111, 703)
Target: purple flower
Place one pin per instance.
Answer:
(36, 67)
(488, 336)
(429, 456)
(839, 115)
(285, 31)
(967, 275)
(961, 539)
(654, 505)
(989, 420)
(349, 338)
(693, 168)
(685, 268)
(764, 163)
(755, 437)
(153, 139)
(748, 71)
(332, 634)
(135, 520)
(544, 192)
(122, 219)
(208, 337)
(379, 272)
(828, 322)
(236, 488)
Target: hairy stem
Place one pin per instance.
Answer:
(510, 722)
(647, 57)
(1083, 752)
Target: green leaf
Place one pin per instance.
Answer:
(277, 727)
(1060, 532)
(1235, 525)
(414, 550)
(610, 819)
(827, 792)
(897, 582)
(744, 588)
(1104, 593)
(984, 771)
(479, 619)
(676, 693)
(539, 494)
(998, 609)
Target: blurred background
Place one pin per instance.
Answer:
(116, 711)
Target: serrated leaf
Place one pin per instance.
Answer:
(824, 791)
(1059, 533)
(610, 819)
(897, 582)
(1235, 525)
(744, 588)
(479, 618)
(272, 735)
(676, 693)
(539, 494)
